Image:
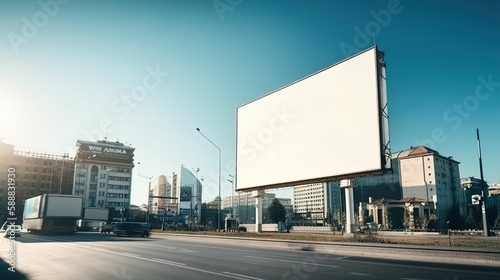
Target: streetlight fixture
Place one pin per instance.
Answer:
(149, 191)
(232, 195)
(219, 202)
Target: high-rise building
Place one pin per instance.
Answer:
(161, 187)
(186, 191)
(31, 174)
(189, 194)
(310, 201)
(103, 175)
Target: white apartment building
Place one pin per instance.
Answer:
(103, 174)
(310, 201)
(426, 174)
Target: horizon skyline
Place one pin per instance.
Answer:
(276, 191)
(150, 72)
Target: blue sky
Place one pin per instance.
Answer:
(73, 69)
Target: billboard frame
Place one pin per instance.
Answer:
(383, 127)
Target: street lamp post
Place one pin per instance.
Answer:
(52, 171)
(219, 202)
(62, 172)
(195, 191)
(232, 195)
(149, 191)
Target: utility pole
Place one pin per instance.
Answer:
(149, 192)
(484, 192)
(62, 173)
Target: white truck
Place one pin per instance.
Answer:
(52, 213)
(92, 218)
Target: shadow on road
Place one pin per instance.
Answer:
(7, 274)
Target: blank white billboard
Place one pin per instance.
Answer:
(64, 206)
(329, 125)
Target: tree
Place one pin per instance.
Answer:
(407, 218)
(137, 215)
(471, 222)
(433, 220)
(456, 220)
(496, 224)
(276, 211)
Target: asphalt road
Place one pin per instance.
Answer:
(101, 256)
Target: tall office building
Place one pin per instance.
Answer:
(103, 174)
(189, 194)
(162, 187)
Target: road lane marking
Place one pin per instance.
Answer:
(212, 247)
(129, 254)
(167, 262)
(241, 275)
(359, 274)
(301, 262)
(188, 251)
(181, 265)
(341, 258)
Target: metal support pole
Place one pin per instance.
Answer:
(149, 192)
(62, 173)
(258, 214)
(349, 200)
(220, 200)
(483, 210)
(484, 186)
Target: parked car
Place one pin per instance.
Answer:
(13, 230)
(131, 229)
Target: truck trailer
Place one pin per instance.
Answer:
(92, 219)
(52, 213)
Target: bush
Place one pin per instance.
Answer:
(242, 229)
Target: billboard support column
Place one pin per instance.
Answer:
(259, 195)
(348, 185)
